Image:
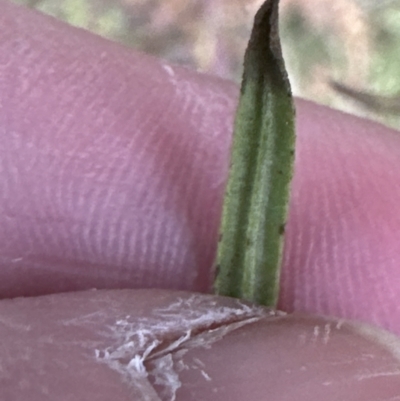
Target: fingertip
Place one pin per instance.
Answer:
(341, 252)
(164, 345)
(113, 163)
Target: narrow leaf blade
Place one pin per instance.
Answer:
(256, 199)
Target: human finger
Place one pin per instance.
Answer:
(163, 345)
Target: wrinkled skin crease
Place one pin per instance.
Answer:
(113, 167)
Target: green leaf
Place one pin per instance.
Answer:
(256, 199)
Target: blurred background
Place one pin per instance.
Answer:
(342, 53)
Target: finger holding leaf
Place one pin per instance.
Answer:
(153, 344)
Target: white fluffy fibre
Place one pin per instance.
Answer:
(139, 340)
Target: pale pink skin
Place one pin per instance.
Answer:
(112, 171)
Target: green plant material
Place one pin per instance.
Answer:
(384, 69)
(256, 199)
(111, 22)
(77, 13)
(371, 101)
